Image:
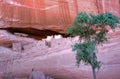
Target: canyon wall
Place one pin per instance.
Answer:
(49, 14)
(58, 59)
(99, 6)
(55, 58)
(109, 6)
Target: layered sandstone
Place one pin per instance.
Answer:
(19, 53)
(49, 14)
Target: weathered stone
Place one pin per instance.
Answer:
(57, 60)
(37, 75)
(17, 47)
(8, 75)
(28, 14)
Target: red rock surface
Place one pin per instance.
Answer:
(20, 54)
(53, 15)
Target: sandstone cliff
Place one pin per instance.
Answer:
(49, 14)
(19, 53)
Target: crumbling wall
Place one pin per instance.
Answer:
(43, 47)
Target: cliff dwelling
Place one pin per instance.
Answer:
(33, 37)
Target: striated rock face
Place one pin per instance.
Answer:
(109, 6)
(53, 56)
(49, 14)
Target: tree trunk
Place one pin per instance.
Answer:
(94, 73)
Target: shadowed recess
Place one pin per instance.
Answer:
(33, 33)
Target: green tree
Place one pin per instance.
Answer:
(92, 30)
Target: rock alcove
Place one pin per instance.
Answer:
(33, 33)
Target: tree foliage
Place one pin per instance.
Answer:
(93, 26)
(92, 29)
